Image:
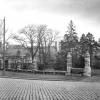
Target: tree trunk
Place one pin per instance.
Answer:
(32, 57)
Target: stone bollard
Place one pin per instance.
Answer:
(9, 64)
(69, 63)
(1, 64)
(87, 69)
(35, 64)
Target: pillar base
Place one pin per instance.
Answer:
(87, 71)
(68, 71)
(68, 74)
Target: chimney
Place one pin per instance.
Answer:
(0, 44)
(56, 45)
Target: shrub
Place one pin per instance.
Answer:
(96, 65)
(40, 66)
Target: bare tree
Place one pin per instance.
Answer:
(39, 38)
(47, 40)
(27, 37)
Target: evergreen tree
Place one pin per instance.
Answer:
(71, 38)
(87, 42)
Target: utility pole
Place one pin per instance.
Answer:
(4, 44)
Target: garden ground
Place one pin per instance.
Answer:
(31, 76)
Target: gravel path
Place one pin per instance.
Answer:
(18, 89)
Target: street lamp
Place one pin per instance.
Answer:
(4, 44)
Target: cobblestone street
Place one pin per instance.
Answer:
(18, 89)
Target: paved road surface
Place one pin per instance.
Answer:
(18, 89)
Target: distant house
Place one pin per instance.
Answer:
(16, 54)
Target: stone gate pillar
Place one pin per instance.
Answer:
(87, 69)
(69, 63)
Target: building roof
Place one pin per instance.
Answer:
(13, 50)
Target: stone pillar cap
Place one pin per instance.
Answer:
(87, 54)
(69, 55)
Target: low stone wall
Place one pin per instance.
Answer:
(95, 72)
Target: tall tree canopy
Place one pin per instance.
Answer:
(71, 37)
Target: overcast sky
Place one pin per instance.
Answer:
(55, 13)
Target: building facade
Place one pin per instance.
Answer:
(17, 57)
